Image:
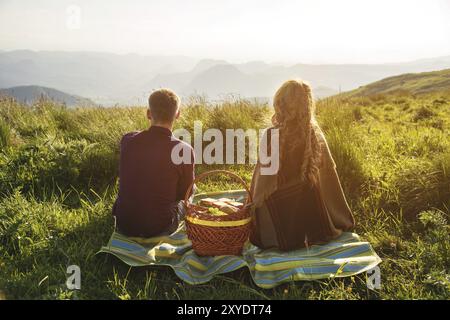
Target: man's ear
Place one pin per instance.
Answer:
(178, 114)
(149, 114)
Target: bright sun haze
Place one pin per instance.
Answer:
(309, 31)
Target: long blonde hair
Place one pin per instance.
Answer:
(299, 131)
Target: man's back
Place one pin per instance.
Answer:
(151, 184)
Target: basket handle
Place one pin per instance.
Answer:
(208, 173)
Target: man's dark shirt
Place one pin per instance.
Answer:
(150, 183)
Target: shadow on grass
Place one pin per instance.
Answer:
(41, 274)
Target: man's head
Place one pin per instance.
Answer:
(164, 107)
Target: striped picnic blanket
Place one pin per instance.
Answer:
(345, 256)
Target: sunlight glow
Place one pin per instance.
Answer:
(309, 31)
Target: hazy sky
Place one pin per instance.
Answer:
(310, 31)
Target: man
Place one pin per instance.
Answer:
(151, 185)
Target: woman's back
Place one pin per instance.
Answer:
(303, 202)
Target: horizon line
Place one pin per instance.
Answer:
(286, 63)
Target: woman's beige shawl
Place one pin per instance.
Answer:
(339, 213)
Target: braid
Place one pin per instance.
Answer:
(294, 116)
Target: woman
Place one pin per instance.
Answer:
(303, 203)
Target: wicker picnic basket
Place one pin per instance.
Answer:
(213, 235)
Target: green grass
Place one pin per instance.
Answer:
(407, 84)
(58, 182)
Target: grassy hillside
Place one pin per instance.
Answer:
(415, 83)
(58, 181)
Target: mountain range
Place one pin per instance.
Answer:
(30, 94)
(127, 79)
(415, 83)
